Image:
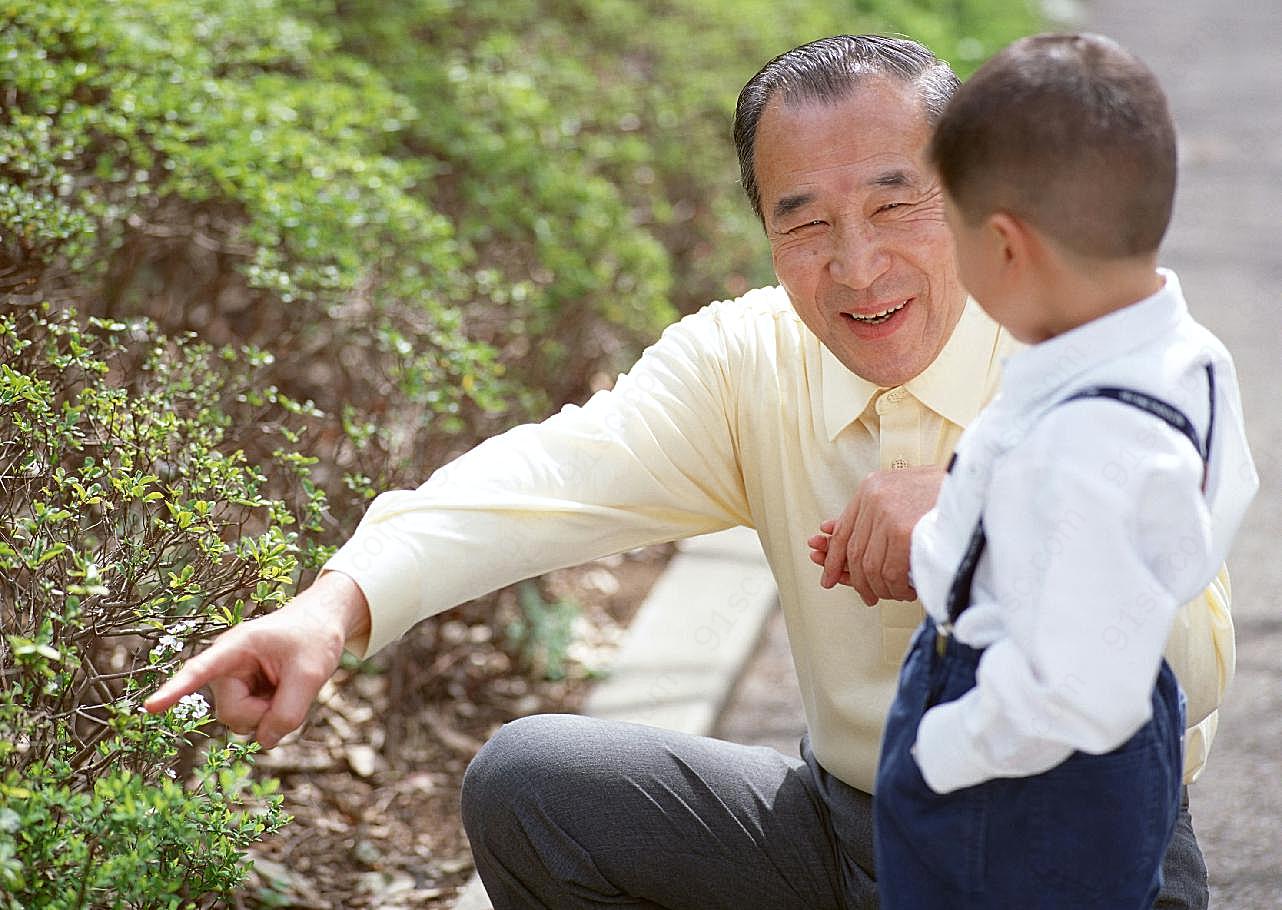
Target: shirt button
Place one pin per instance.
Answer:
(898, 464)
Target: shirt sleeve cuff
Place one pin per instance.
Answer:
(944, 752)
(387, 569)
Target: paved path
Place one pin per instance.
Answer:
(1221, 64)
(1222, 68)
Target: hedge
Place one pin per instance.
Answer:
(261, 259)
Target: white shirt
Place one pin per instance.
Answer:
(736, 416)
(1098, 531)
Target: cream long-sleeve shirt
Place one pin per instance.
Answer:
(736, 416)
(1098, 530)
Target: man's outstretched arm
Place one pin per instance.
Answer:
(266, 672)
(651, 460)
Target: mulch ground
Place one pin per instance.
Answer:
(373, 778)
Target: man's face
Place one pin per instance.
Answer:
(856, 226)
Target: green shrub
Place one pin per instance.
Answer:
(543, 633)
(444, 217)
(427, 220)
(453, 216)
(581, 132)
(131, 527)
(220, 168)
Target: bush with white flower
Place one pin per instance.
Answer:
(132, 528)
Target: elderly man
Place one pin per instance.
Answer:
(858, 371)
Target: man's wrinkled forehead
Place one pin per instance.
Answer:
(880, 127)
(885, 100)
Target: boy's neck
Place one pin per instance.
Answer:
(1079, 290)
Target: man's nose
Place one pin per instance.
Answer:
(859, 256)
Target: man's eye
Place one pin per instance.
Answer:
(892, 205)
(802, 227)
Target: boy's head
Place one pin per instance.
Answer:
(1070, 133)
(1057, 161)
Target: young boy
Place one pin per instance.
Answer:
(1032, 756)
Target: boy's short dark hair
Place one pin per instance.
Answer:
(1069, 132)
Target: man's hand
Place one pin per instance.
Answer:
(266, 672)
(868, 546)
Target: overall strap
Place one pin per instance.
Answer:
(1172, 416)
(960, 591)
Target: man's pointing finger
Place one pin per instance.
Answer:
(194, 674)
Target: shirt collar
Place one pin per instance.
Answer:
(1039, 371)
(954, 386)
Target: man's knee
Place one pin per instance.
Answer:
(509, 768)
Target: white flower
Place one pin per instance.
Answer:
(171, 773)
(191, 707)
(166, 645)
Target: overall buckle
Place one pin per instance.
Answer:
(943, 631)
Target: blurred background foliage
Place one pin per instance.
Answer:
(444, 217)
(340, 241)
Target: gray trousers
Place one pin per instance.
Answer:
(567, 812)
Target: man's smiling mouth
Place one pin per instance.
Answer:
(875, 318)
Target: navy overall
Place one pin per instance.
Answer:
(1089, 833)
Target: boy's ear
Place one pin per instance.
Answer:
(1010, 238)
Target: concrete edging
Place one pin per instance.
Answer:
(686, 647)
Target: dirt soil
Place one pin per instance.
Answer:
(373, 779)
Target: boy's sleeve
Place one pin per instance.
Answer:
(653, 459)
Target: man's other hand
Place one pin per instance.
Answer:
(867, 547)
(265, 673)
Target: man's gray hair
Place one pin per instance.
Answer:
(826, 70)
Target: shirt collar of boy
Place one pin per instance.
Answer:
(1035, 374)
(955, 386)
